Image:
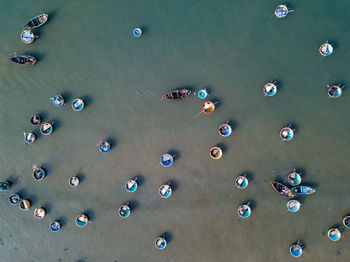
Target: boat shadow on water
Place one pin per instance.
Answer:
(173, 184)
(62, 220)
(88, 100)
(140, 179)
(26, 195)
(133, 204)
(223, 147)
(252, 203)
(90, 213)
(12, 180)
(47, 206)
(174, 153)
(168, 236)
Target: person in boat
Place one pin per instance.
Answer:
(223, 129)
(215, 152)
(46, 127)
(35, 120)
(41, 18)
(242, 210)
(285, 190)
(333, 91)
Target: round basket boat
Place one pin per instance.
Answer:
(244, 211)
(39, 213)
(124, 211)
(24, 204)
(4, 186)
(160, 243)
(137, 32)
(202, 94)
(81, 220)
(131, 185)
(14, 199)
(296, 250)
(215, 152)
(346, 222)
(27, 36)
(335, 91)
(38, 173)
(29, 138)
(166, 160)
(225, 130)
(46, 129)
(270, 89)
(165, 191)
(281, 11)
(55, 226)
(35, 120)
(74, 181)
(286, 134)
(294, 179)
(104, 146)
(293, 206)
(241, 182)
(334, 234)
(326, 49)
(57, 100)
(78, 104)
(208, 107)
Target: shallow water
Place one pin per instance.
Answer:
(231, 47)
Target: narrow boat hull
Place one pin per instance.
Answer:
(25, 60)
(303, 190)
(37, 21)
(177, 94)
(282, 189)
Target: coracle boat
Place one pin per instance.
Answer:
(39, 213)
(326, 49)
(296, 249)
(346, 222)
(282, 189)
(303, 190)
(177, 94)
(131, 185)
(165, 191)
(124, 211)
(37, 21)
(293, 206)
(160, 243)
(282, 11)
(4, 185)
(24, 204)
(294, 178)
(14, 199)
(55, 226)
(25, 60)
(244, 210)
(82, 220)
(38, 174)
(27, 36)
(46, 129)
(334, 234)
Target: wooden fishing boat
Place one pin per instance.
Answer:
(25, 60)
(303, 190)
(282, 189)
(177, 94)
(37, 21)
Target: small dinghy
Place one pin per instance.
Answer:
(225, 130)
(326, 49)
(294, 178)
(241, 182)
(165, 191)
(37, 21)
(4, 186)
(27, 36)
(244, 211)
(160, 243)
(55, 226)
(38, 174)
(137, 32)
(335, 91)
(131, 185)
(296, 249)
(57, 100)
(78, 104)
(293, 206)
(282, 11)
(14, 199)
(39, 213)
(282, 189)
(81, 220)
(25, 60)
(74, 181)
(29, 138)
(166, 160)
(46, 129)
(215, 152)
(270, 89)
(203, 93)
(24, 204)
(35, 120)
(346, 222)
(124, 211)
(104, 146)
(287, 133)
(177, 94)
(303, 190)
(334, 234)
(208, 107)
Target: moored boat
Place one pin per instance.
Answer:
(4, 185)
(82, 220)
(39, 213)
(346, 222)
(37, 21)
(270, 89)
(294, 178)
(46, 129)
(24, 204)
(282, 189)
(55, 226)
(335, 91)
(326, 49)
(25, 60)
(244, 211)
(27, 36)
(334, 234)
(29, 137)
(287, 133)
(14, 199)
(160, 242)
(177, 94)
(302, 190)
(282, 11)
(293, 206)
(296, 249)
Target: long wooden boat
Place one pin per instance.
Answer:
(303, 190)
(177, 94)
(282, 189)
(25, 60)
(37, 21)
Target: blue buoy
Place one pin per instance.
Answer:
(202, 94)
(137, 32)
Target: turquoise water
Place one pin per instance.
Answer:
(233, 48)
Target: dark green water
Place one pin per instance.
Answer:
(231, 47)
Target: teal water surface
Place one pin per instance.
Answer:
(232, 48)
